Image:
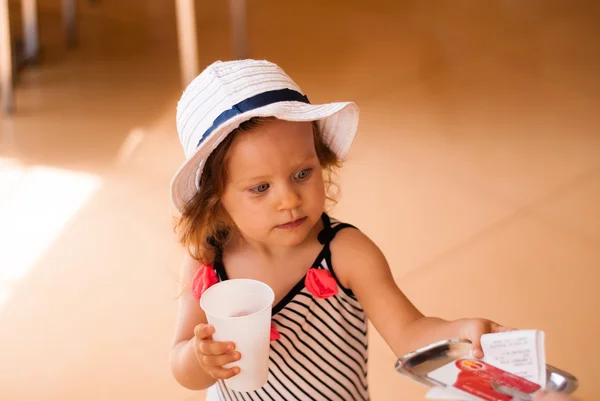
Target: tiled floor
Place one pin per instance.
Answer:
(477, 171)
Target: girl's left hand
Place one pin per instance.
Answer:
(473, 329)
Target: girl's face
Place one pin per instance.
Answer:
(275, 192)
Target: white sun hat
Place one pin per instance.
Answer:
(227, 94)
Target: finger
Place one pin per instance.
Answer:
(203, 331)
(474, 335)
(211, 347)
(223, 373)
(220, 360)
(498, 328)
(476, 347)
(503, 329)
(538, 395)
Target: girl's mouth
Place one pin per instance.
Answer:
(292, 224)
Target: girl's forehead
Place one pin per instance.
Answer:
(274, 136)
(272, 144)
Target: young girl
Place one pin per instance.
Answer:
(252, 195)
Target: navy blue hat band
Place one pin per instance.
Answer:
(254, 102)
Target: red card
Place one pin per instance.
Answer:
(480, 379)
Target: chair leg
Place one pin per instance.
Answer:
(30, 31)
(6, 63)
(188, 46)
(237, 12)
(69, 10)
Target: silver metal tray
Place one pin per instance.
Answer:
(416, 365)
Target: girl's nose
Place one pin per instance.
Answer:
(289, 199)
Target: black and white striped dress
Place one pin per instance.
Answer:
(322, 351)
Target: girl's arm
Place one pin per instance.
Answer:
(361, 267)
(184, 363)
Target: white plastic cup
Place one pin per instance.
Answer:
(240, 311)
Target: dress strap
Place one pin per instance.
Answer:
(330, 228)
(218, 264)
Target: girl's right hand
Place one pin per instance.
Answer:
(212, 355)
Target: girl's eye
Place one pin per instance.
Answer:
(260, 188)
(303, 175)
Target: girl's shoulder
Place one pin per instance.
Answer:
(354, 255)
(350, 241)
